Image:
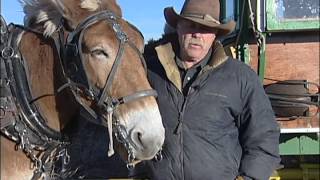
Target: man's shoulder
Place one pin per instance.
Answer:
(239, 70)
(239, 66)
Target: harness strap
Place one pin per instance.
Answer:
(111, 76)
(138, 95)
(109, 119)
(21, 122)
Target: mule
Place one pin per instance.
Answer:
(72, 55)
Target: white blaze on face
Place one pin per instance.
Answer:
(91, 5)
(145, 129)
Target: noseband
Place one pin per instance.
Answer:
(76, 74)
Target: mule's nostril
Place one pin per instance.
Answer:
(139, 134)
(137, 138)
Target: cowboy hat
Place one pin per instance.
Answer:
(204, 12)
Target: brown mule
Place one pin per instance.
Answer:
(74, 54)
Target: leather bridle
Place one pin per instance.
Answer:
(73, 65)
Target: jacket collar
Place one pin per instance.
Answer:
(166, 56)
(218, 56)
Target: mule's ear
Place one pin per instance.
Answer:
(113, 6)
(135, 35)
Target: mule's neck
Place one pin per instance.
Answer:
(45, 77)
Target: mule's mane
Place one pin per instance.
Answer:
(41, 11)
(49, 13)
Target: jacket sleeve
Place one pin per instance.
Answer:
(258, 132)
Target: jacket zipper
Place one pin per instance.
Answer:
(178, 130)
(180, 118)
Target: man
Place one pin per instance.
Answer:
(219, 122)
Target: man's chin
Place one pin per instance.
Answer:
(195, 54)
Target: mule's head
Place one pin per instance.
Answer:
(101, 44)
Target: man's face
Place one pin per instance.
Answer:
(195, 41)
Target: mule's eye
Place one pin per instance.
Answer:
(99, 53)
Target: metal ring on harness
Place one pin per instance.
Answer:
(158, 156)
(7, 52)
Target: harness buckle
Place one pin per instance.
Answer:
(71, 50)
(158, 156)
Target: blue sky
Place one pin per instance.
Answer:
(147, 15)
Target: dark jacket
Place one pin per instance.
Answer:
(224, 127)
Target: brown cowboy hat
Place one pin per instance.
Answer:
(204, 12)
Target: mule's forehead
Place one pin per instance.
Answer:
(100, 34)
(118, 28)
